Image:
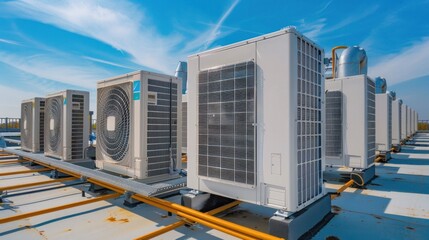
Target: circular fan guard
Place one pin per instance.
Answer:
(54, 111)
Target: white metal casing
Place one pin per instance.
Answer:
(396, 121)
(383, 122)
(409, 121)
(278, 172)
(150, 126)
(32, 124)
(67, 124)
(184, 123)
(404, 120)
(354, 136)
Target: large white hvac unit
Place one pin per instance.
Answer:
(350, 112)
(33, 124)
(383, 122)
(255, 121)
(404, 120)
(396, 122)
(139, 125)
(67, 124)
(184, 123)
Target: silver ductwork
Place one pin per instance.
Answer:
(182, 72)
(353, 61)
(393, 94)
(380, 85)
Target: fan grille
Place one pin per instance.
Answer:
(114, 103)
(26, 127)
(53, 124)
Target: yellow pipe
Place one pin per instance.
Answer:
(58, 208)
(25, 171)
(342, 188)
(183, 222)
(11, 161)
(334, 58)
(179, 209)
(13, 187)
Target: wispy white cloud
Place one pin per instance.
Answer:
(2, 40)
(107, 62)
(410, 63)
(121, 24)
(313, 29)
(325, 7)
(10, 100)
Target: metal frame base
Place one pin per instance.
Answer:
(384, 155)
(397, 148)
(203, 202)
(304, 223)
(334, 174)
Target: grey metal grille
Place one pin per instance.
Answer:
(334, 126)
(162, 127)
(114, 101)
(400, 121)
(42, 125)
(226, 120)
(54, 115)
(27, 125)
(309, 121)
(77, 121)
(371, 121)
(184, 124)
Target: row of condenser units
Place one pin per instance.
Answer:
(262, 121)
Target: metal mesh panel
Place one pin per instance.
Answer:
(226, 119)
(54, 126)
(389, 120)
(309, 121)
(114, 103)
(162, 127)
(77, 121)
(334, 126)
(371, 121)
(27, 125)
(42, 125)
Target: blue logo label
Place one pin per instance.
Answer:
(65, 101)
(136, 90)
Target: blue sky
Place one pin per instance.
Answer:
(46, 46)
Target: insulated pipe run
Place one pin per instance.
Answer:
(334, 59)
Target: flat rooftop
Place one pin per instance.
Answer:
(395, 205)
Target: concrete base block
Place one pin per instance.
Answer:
(304, 223)
(203, 202)
(333, 174)
(366, 175)
(397, 148)
(383, 156)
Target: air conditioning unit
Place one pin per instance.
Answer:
(404, 120)
(184, 123)
(409, 120)
(139, 125)
(383, 116)
(396, 122)
(255, 121)
(32, 124)
(350, 121)
(67, 124)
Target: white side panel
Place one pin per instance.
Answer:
(383, 116)
(403, 122)
(396, 122)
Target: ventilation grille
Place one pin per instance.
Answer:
(27, 125)
(162, 127)
(42, 125)
(389, 120)
(77, 134)
(226, 120)
(371, 121)
(309, 123)
(334, 127)
(400, 121)
(113, 109)
(184, 124)
(53, 126)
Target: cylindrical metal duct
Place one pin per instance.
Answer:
(182, 72)
(380, 85)
(353, 61)
(393, 94)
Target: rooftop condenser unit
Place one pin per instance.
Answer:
(255, 121)
(396, 123)
(139, 125)
(32, 124)
(67, 124)
(384, 123)
(350, 113)
(404, 120)
(409, 120)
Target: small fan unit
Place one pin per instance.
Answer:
(32, 124)
(396, 121)
(383, 122)
(350, 121)
(67, 124)
(255, 121)
(139, 125)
